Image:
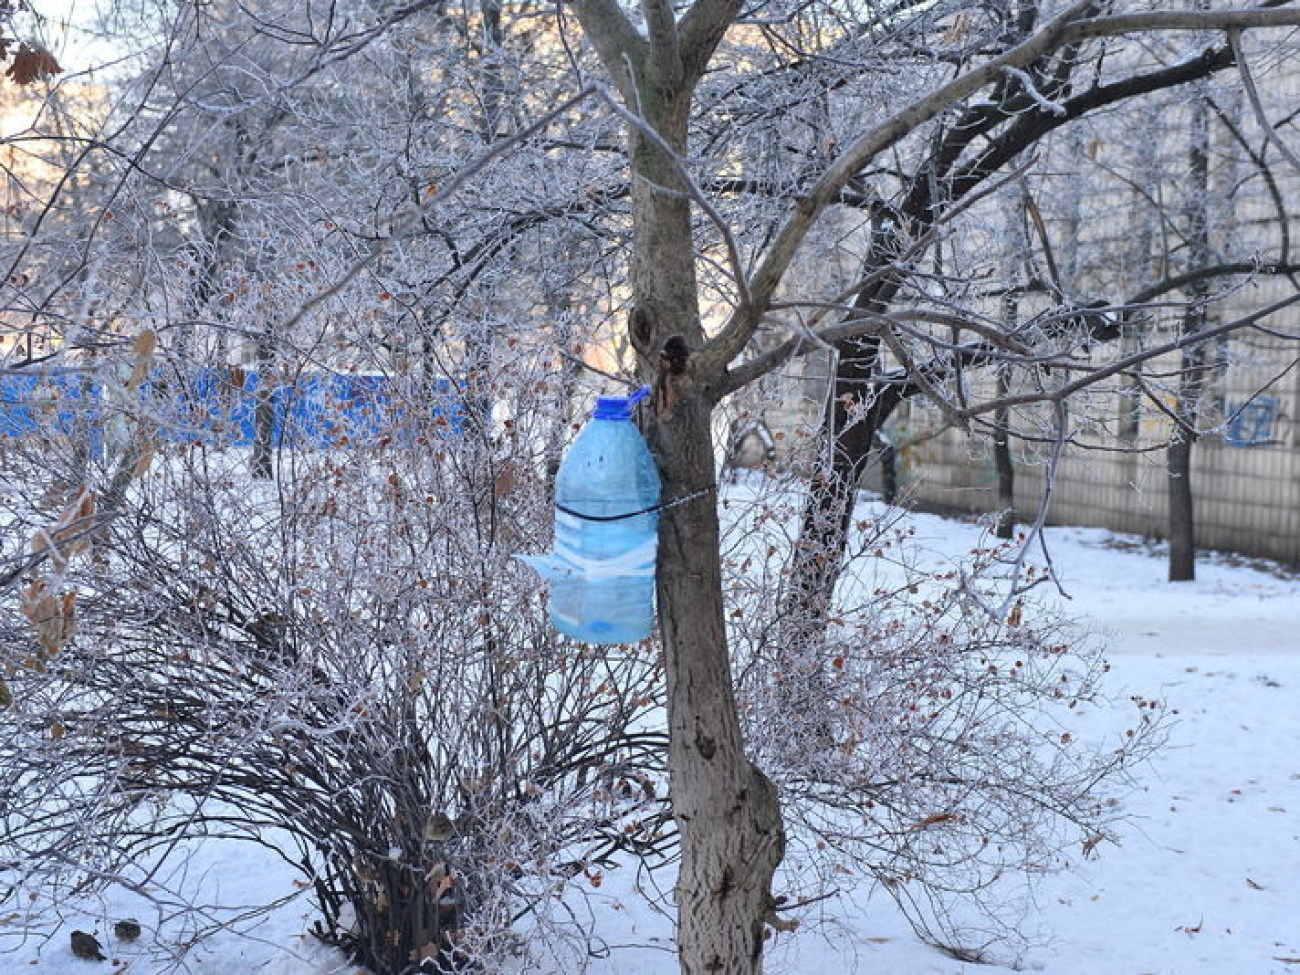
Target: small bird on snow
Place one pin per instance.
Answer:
(85, 946)
(127, 929)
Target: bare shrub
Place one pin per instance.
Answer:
(933, 740)
(348, 657)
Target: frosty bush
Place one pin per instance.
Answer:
(930, 740)
(345, 664)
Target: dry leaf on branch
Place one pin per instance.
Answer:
(71, 533)
(1090, 845)
(53, 615)
(32, 62)
(143, 349)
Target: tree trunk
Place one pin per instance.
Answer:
(1006, 471)
(727, 812)
(888, 468)
(1004, 465)
(264, 411)
(1178, 456)
(1192, 379)
(1182, 523)
(853, 415)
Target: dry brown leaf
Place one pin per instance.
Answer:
(70, 535)
(142, 462)
(425, 952)
(145, 343)
(143, 348)
(506, 480)
(53, 616)
(957, 30)
(32, 62)
(35, 600)
(70, 530)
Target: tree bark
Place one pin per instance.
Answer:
(727, 812)
(1182, 521)
(1178, 456)
(264, 411)
(1005, 467)
(1003, 463)
(1192, 379)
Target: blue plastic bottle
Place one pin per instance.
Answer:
(602, 570)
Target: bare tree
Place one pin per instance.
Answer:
(1193, 381)
(1013, 81)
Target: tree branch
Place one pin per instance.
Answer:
(617, 42)
(1065, 29)
(1270, 131)
(702, 28)
(665, 62)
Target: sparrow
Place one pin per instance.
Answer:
(128, 929)
(85, 946)
(439, 828)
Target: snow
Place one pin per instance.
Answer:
(1206, 878)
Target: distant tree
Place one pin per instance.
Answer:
(1195, 359)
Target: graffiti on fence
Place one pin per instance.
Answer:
(1251, 423)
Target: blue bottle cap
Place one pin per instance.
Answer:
(618, 407)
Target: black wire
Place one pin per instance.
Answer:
(644, 511)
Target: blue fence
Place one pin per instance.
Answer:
(65, 402)
(219, 407)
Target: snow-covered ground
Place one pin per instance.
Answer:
(1205, 880)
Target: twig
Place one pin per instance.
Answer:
(1270, 131)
